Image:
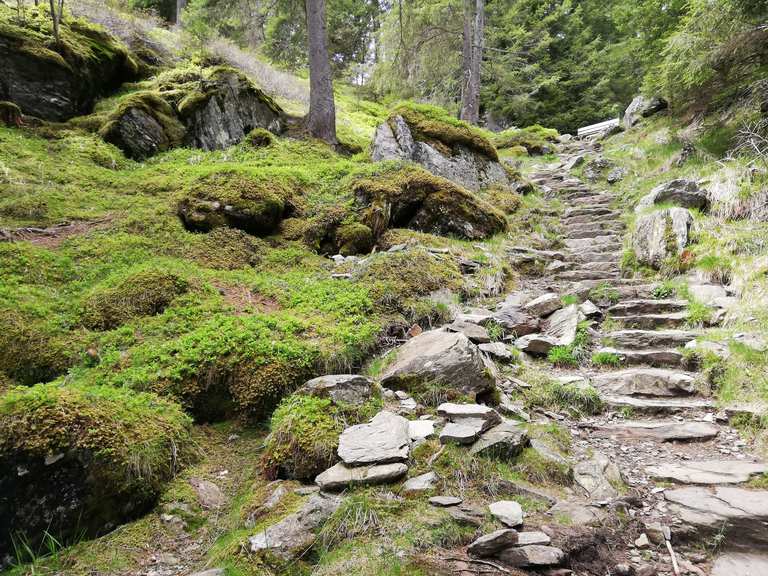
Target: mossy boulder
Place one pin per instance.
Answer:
(504, 199)
(10, 114)
(236, 200)
(144, 293)
(228, 249)
(58, 81)
(410, 197)
(534, 140)
(354, 238)
(33, 351)
(441, 144)
(78, 460)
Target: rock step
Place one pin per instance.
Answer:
(706, 472)
(600, 225)
(651, 357)
(655, 307)
(578, 275)
(589, 200)
(607, 243)
(634, 339)
(656, 405)
(596, 211)
(646, 382)
(607, 256)
(590, 232)
(652, 321)
(660, 430)
(588, 219)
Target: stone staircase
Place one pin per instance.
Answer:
(671, 442)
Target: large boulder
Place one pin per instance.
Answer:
(661, 234)
(235, 200)
(410, 197)
(58, 82)
(71, 463)
(212, 111)
(438, 358)
(680, 192)
(455, 153)
(642, 107)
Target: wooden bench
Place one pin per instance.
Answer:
(597, 128)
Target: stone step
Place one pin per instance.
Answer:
(588, 219)
(634, 339)
(654, 307)
(607, 256)
(607, 242)
(657, 405)
(577, 275)
(652, 321)
(596, 211)
(589, 200)
(705, 472)
(647, 382)
(599, 225)
(590, 232)
(660, 430)
(651, 357)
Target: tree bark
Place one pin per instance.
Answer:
(321, 121)
(180, 5)
(466, 55)
(474, 30)
(55, 20)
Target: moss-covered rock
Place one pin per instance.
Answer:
(259, 138)
(77, 460)
(504, 199)
(228, 249)
(354, 238)
(236, 200)
(144, 293)
(534, 140)
(410, 197)
(58, 81)
(32, 351)
(10, 114)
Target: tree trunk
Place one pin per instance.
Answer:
(475, 31)
(55, 20)
(321, 121)
(180, 5)
(466, 56)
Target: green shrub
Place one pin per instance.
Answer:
(259, 138)
(562, 356)
(606, 359)
(144, 293)
(575, 399)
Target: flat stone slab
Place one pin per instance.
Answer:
(562, 325)
(420, 483)
(664, 431)
(707, 472)
(382, 440)
(490, 544)
(505, 440)
(466, 431)
(646, 382)
(533, 556)
(740, 564)
(456, 412)
(340, 476)
(532, 538)
(445, 501)
(650, 338)
(537, 344)
(576, 513)
(544, 304)
(421, 429)
(738, 514)
(346, 388)
(508, 512)
(656, 405)
(474, 332)
(498, 350)
(598, 477)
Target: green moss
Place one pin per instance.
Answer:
(259, 138)
(10, 114)
(504, 199)
(434, 125)
(143, 293)
(227, 249)
(354, 238)
(154, 105)
(534, 140)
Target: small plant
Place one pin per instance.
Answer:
(606, 359)
(699, 314)
(569, 299)
(604, 292)
(495, 331)
(629, 261)
(666, 289)
(562, 356)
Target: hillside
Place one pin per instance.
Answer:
(429, 348)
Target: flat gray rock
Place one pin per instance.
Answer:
(490, 544)
(421, 429)
(664, 431)
(455, 412)
(576, 513)
(211, 572)
(536, 344)
(661, 234)
(466, 431)
(445, 501)
(680, 192)
(506, 440)
(340, 388)
(646, 382)
(548, 453)
(474, 315)
(589, 310)
(384, 439)
(740, 515)
(420, 483)
(707, 472)
(439, 357)
(516, 321)
(740, 564)
(508, 512)
(474, 332)
(532, 556)
(562, 325)
(497, 350)
(544, 305)
(340, 476)
(532, 538)
(598, 477)
(656, 405)
(295, 533)
(209, 495)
